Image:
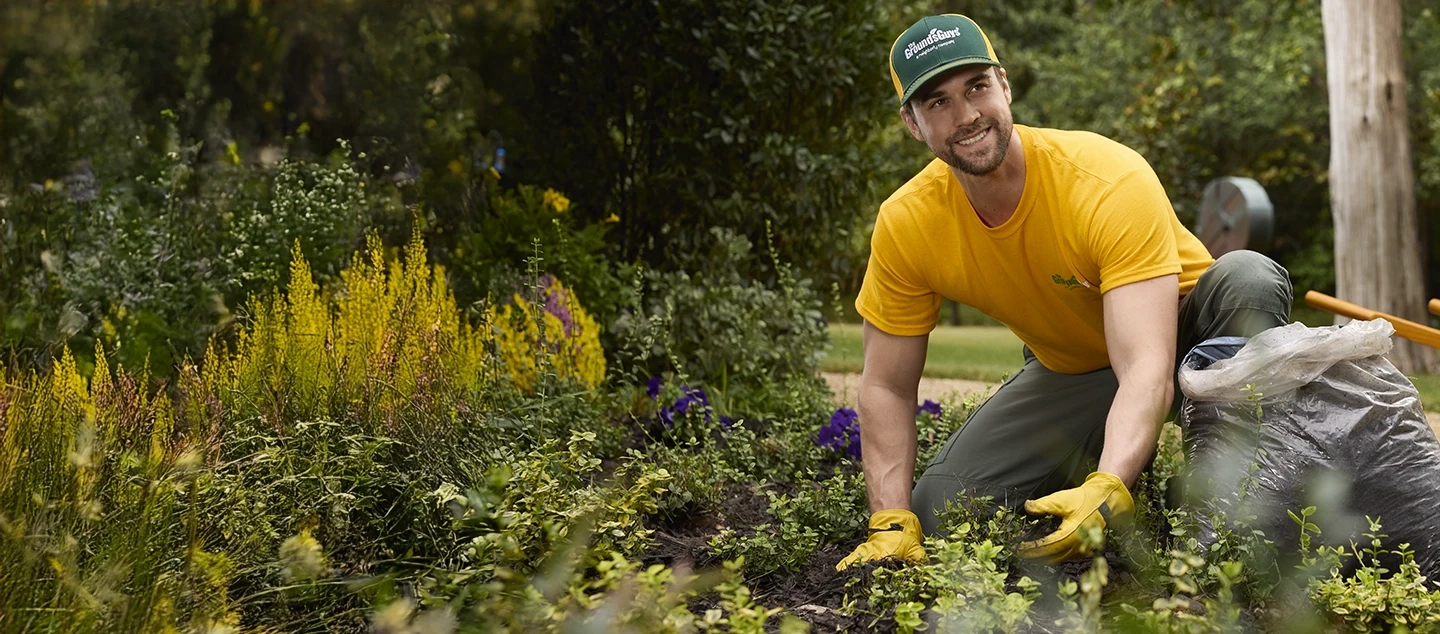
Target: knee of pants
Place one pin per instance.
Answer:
(1252, 280)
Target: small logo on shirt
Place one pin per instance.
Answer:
(1071, 283)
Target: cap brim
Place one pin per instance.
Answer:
(934, 72)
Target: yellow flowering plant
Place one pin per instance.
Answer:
(393, 322)
(522, 222)
(556, 201)
(553, 333)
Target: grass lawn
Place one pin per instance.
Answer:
(989, 353)
(978, 353)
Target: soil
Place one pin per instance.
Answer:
(1040, 527)
(812, 593)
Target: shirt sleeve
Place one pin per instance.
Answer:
(1131, 235)
(893, 296)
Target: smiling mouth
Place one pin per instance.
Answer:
(974, 139)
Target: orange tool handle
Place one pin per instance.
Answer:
(1434, 306)
(1405, 328)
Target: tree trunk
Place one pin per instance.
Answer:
(1372, 181)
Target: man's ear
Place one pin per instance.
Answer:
(907, 115)
(1004, 81)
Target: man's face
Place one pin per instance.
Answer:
(964, 116)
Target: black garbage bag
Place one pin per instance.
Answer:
(1300, 416)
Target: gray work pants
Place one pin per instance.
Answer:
(1043, 431)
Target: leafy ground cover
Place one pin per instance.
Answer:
(366, 457)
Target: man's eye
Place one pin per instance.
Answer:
(977, 87)
(937, 103)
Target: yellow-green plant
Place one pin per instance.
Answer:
(558, 336)
(94, 479)
(1377, 598)
(388, 343)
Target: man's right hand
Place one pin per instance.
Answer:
(893, 533)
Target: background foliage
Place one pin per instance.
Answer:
(675, 118)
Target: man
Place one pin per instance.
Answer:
(1069, 240)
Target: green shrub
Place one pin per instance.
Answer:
(716, 327)
(66, 100)
(516, 226)
(683, 116)
(323, 206)
(968, 582)
(1374, 597)
(153, 267)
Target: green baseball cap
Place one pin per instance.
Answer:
(934, 45)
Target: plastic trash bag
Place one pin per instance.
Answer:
(1301, 416)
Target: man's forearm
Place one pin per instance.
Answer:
(1133, 426)
(887, 436)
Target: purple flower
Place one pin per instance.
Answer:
(695, 394)
(929, 406)
(829, 437)
(842, 433)
(727, 423)
(556, 303)
(691, 399)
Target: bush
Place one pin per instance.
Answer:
(526, 226)
(96, 481)
(719, 328)
(310, 357)
(322, 206)
(132, 266)
(153, 267)
(682, 116)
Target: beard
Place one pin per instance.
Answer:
(985, 164)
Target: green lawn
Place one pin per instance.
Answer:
(1429, 387)
(989, 353)
(979, 353)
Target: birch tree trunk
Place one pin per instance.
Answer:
(1372, 181)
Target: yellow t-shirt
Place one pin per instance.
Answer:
(1093, 217)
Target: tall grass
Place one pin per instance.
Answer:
(95, 480)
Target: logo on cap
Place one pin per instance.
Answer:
(923, 46)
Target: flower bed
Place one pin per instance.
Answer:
(365, 458)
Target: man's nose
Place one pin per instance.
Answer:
(966, 115)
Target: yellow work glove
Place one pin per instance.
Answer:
(1102, 501)
(893, 533)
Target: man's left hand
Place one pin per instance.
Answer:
(1101, 501)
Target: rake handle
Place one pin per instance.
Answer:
(1405, 328)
